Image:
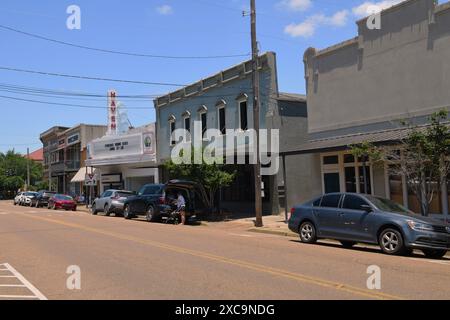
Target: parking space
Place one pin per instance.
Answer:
(13, 285)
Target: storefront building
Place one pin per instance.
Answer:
(125, 160)
(224, 101)
(64, 155)
(361, 89)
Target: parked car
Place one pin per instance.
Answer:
(42, 198)
(353, 218)
(17, 198)
(27, 198)
(111, 201)
(60, 201)
(153, 200)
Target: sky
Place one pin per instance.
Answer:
(206, 29)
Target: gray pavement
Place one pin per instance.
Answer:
(121, 259)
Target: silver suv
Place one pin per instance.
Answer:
(111, 201)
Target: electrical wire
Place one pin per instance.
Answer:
(142, 55)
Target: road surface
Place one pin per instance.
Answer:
(120, 259)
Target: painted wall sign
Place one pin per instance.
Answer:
(148, 140)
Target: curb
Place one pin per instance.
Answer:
(274, 232)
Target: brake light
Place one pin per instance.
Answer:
(115, 198)
(162, 200)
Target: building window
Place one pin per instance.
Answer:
(204, 120)
(172, 128)
(243, 116)
(222, 120)
(187, 127)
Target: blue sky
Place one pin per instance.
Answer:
(160, 27)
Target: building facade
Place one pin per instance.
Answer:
(224, 101)
(361, 89)
(125, 161)
(65, 151)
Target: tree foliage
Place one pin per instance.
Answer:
(210, 173)
(13, 172)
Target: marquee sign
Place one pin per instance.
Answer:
(112, 112)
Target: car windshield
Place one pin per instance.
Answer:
(64, 198)
(388, 205)
(30, 194)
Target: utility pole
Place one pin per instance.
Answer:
(256, 106)
(28, 169)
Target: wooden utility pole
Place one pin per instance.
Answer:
(256, 106)
(28, 169)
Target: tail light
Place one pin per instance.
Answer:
(115, 198)
(162, 200)
(292, 212)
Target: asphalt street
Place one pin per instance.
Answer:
(120, 259)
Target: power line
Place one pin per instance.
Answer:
(90, 78)
(142, 55)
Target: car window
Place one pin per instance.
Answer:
(353, 202)
(388, 205)
(316, 203)
(106, 194)
(330, 201)
(151, 190)
(123, 194)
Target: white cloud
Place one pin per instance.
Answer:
(366, 8)
(308, 27)
(164, 10)
(296, 5)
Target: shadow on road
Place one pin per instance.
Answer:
(366, 249)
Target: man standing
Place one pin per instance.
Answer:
(181, 206)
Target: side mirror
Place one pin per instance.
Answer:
(366, 208)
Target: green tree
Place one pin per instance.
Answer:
(211, 173)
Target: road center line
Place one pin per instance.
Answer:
(244, 264)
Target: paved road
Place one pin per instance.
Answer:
(122, 259)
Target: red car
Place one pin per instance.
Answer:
(60, 201)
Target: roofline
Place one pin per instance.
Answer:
(155, 101)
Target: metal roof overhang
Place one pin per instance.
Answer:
(386, 137)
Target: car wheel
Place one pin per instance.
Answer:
(307, 232)
(127, 213)
(106, 210)
(391, 242)
(434, 253)
(348, 244)
(150, 214)
(93, 209)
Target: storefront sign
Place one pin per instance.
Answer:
(72, 139)
(112, 113)
(120, 146)
(111, 178)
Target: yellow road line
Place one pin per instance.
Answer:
(248, 265)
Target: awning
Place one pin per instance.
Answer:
(81, 174)
(383, 137)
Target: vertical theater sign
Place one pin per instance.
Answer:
(112, 112)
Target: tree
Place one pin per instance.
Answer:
(422, 157)
(210, 173)
(13, 172)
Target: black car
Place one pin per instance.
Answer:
(41, 200)
(153, 200)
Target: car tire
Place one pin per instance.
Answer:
(434, 253)
(150, 214)
(348, 244)
(307, 232)
(93, 209)
(127, 213)
(106, 210)
(391, 242)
